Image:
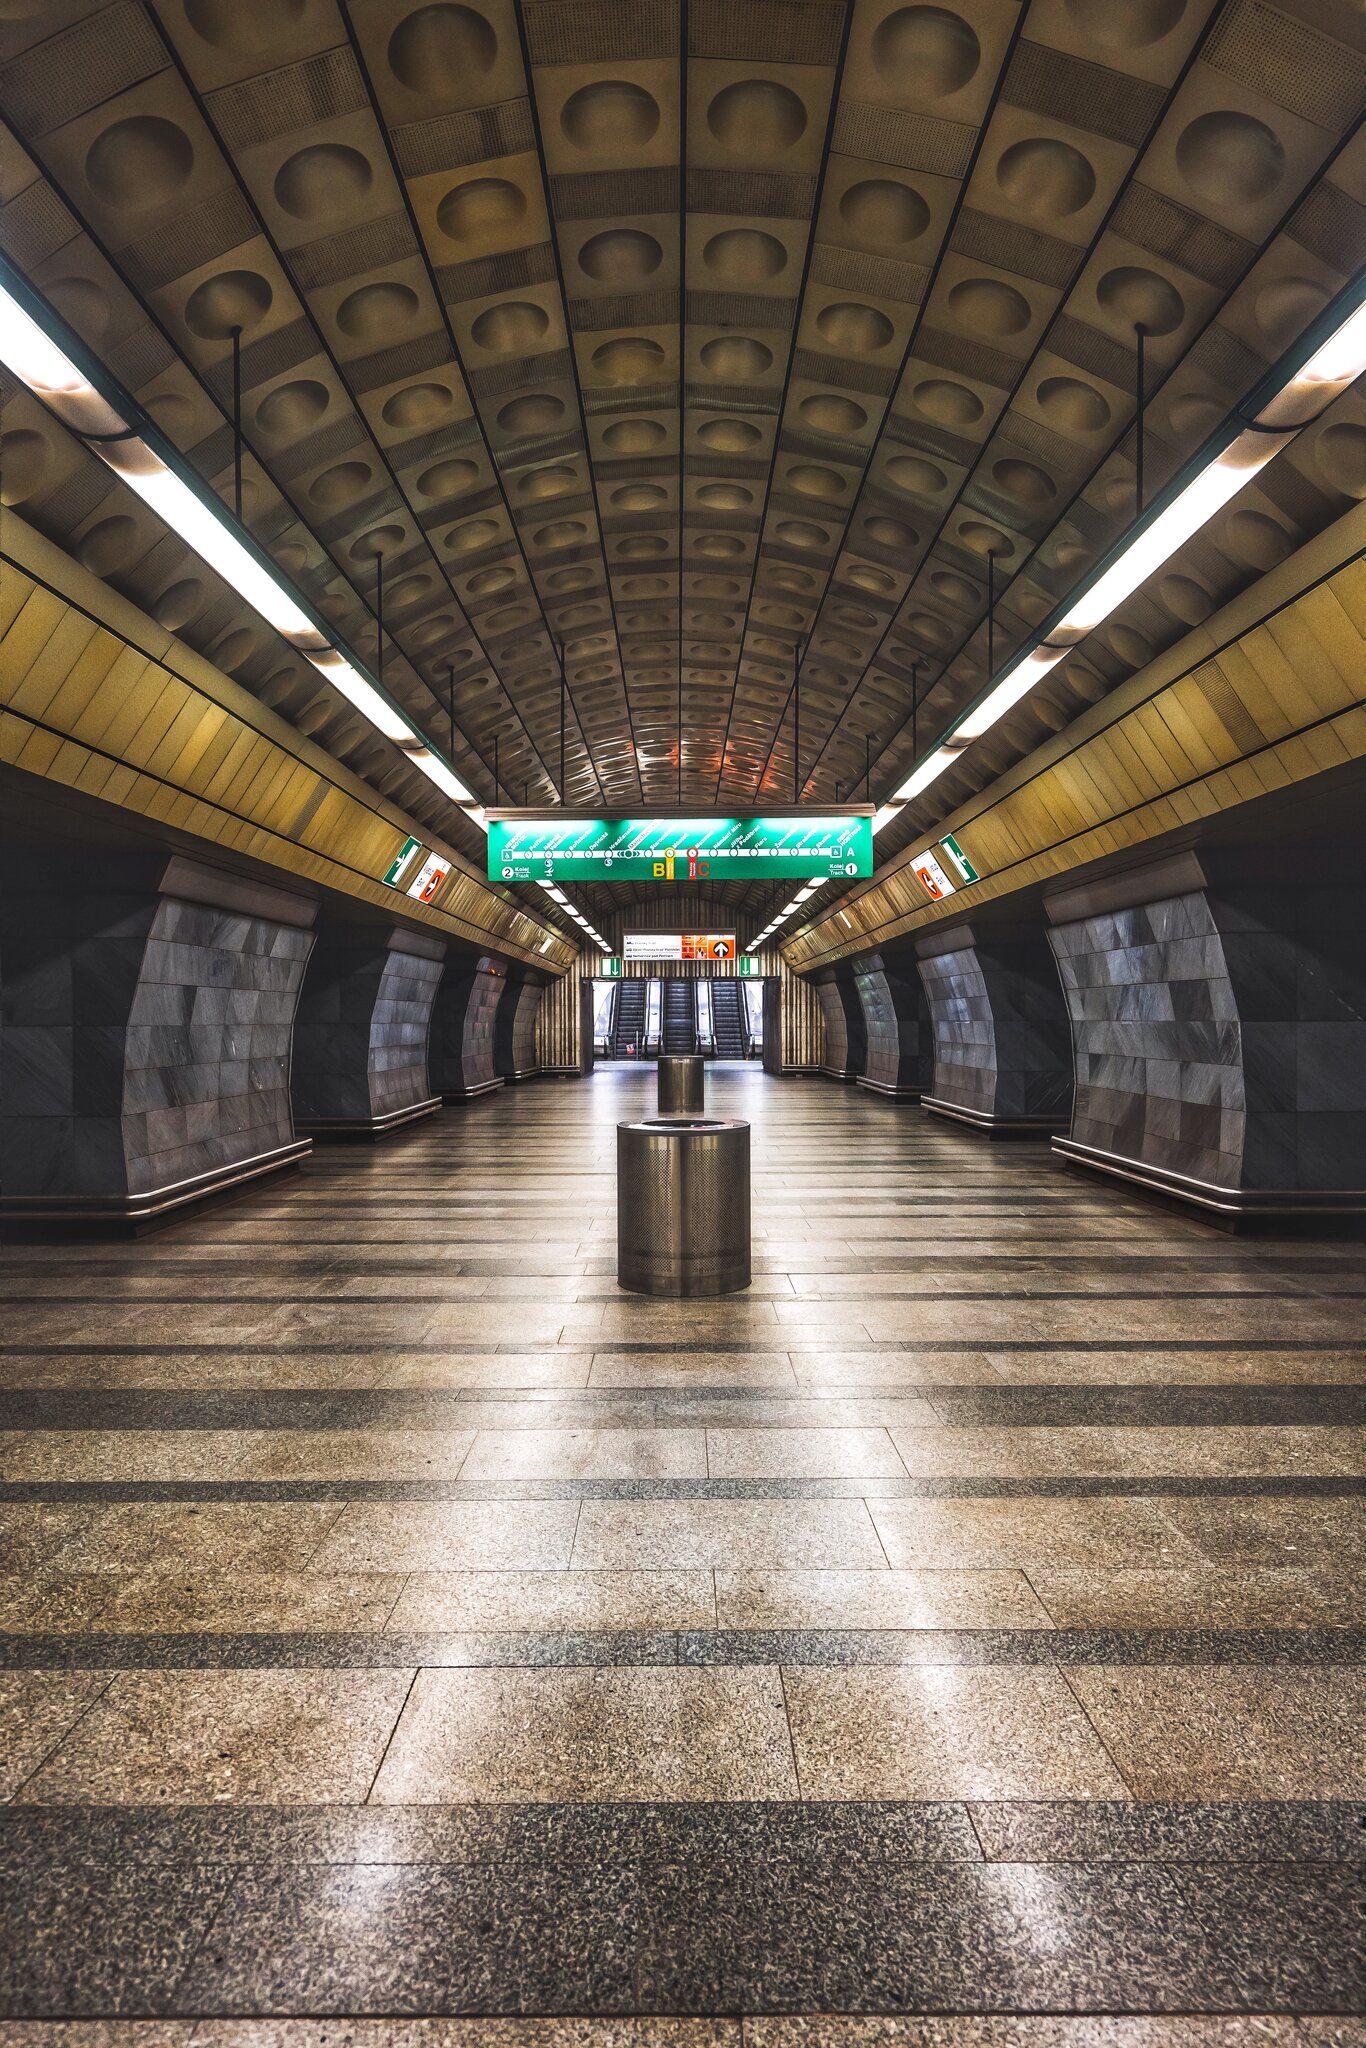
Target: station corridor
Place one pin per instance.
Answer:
(399, 1620)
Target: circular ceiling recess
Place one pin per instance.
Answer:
(729, 437)
(913, 473)
(480, 208)
(1075, 407)
(853, 329)
(488, 582)
(139, 162)
(947, 403)
(620, 256)
(447, 479)
(1229, 159)
(955, 589)
(237, 25)
(547, 483)
(721, 546)
(865, 578)
(438, 51)
(107, 546)
(25, 464)
(511, 328)
(1043, 178)
(829, 414)
(1284, 309)
(611, 115)
(1185, 599)
(984, 539)
(716, 586)
(235, 298)
(1129, 25)
(890, 533)
(725, 497)
(800, 533)
(925, 53)
(561, 533)
(380, 540)
(1023, 480)
(637, 547)
(744, 256)
(757, 117)
(534, 413)
(631, 360)
(1131, 296)
(294, 407)
(1255, 540)
(1340, 452)
(639, 497)
(340, 485)
(990, 307)
(418, 407)
(377, 312)
(813, 480)
(736, 357)
(177, 606)
(323, 181)
(81, 302)
(634, 437)
(884, 210)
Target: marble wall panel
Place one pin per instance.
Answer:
(360, 1041)
(846, 1039)
(1002, 1046)
(460, 1050)
(900, 1056)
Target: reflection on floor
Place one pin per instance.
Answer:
(399, 1620)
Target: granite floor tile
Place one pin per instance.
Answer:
(616, 1535)
(701, 1368)
(587, 1454)
(1020, 1534)
(180, 1602)
(1290, 1534)
(37, 1709)
(234, 1454)
(269, 1737)
(1222, 1732)
(272, 1536)
(817, 1453)
(882, 1368)
(32, 1532)
(1290, 1934)
(877, 1599)
(944, 1733)
(605, 1734)
(1200, 1597)
(1173, 1832)
(533, 1371)
(435, 1536)
(493, 1600)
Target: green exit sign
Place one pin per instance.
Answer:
(611, 967)
(401, 862)
(958, 859)
(749, 963)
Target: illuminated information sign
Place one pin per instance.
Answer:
(678, 945)
(679, 849)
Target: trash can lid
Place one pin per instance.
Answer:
(681, 1125)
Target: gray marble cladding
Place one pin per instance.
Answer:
(896, 1018)
(1221, 1035)
(146, 1039)
(360, 1039)
(514, 1027)
(1002, 1047)
(460, 1050)
(846, 1043)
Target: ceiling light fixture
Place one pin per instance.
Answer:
(47, 357)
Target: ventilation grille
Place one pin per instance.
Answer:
(264, 359)
(839, 372)
(755, 31)
(624, 309)
(1082, 95)
(607, 195)
(1332, 226)
(728, 398)
(1186, 239)
(740, 309)
(1008, 246)
(73, 73)
(35, 225)
(1077, 342)
(770, 195)
(1226, 359)
(879, 277)
(486, 275)
(428, 447)
(140, 356)
(975, 359)
(455, 139)
(295, 96)
(188, 241)
(912, 142)
(596, 31)
(353, 251)
(932, 440)
(391, 365)
(1290, 63)
(329, 444)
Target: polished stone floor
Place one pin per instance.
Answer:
(400, 1626)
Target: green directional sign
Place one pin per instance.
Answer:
(402, 862)
(679, 849)
(966, 870)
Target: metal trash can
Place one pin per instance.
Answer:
(683, 1206)
(681, 1082)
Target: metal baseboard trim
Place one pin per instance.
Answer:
(837, 1073)
(130, 1211)
(343, 1128)
(468, 1094)
(992, 1126)
(891, 1091)
(1223, 1204)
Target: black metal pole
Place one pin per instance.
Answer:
(796, 724)
(237, 423)
(915, 708)
(379, 616)
(450, 692)
(991, 613)
(867, 767)
(563, 687)
(497, 784)
(1141, 335)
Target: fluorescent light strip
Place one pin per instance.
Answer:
(1230, 459)
(152, 468)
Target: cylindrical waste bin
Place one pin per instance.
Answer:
(683, 1206)
(681, 1077)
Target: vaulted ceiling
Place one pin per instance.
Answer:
(684, 341)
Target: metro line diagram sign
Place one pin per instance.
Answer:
(679, 849)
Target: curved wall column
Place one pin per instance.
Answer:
(1219, 1019)
(900, 1058)
(846, 1039)
(514, 1035)
(1002, 1045)
(360, 1040)
(460, 1050)
(146, 1011)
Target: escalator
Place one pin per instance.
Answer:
(628, 1023)
(728, 1019)
(680, 1017)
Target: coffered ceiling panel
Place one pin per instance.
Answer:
(649, 356)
